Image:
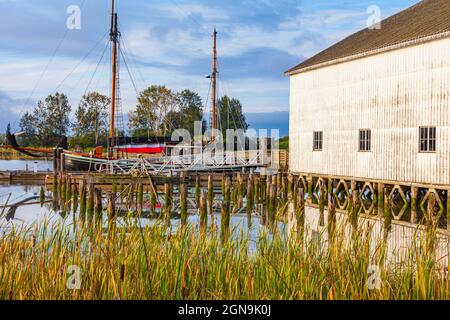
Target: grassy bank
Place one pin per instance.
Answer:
(126, 263)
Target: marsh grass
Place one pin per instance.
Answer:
(123, 261)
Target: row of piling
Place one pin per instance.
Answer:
(269, 198)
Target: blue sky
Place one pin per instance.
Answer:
(168, 42)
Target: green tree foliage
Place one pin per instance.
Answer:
(91, 120)
(160, 111)
(231, 115)
(284, 143)
(48, 121)
(189, 111)
(154, 104)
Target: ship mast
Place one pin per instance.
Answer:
(214, 88)
(114, 35)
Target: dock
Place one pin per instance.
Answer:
(23, 177)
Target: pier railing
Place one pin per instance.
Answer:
(390, 200)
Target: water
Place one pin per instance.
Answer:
(16, 165)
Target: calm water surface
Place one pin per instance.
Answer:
(15, 165)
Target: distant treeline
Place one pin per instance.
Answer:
(159, 111)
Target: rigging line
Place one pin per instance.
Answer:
(133, 61)
(45, 69)
(84, 58)
(164, 119)
(129, 72)
(96, 68)
(224, 83)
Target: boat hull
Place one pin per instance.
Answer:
(79, 163)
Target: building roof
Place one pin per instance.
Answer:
(426, 18)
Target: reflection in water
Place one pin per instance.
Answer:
(16, 165)
(400, 240)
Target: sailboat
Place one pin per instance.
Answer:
(154, 153)
(119, 148)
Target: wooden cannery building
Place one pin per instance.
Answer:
(375, 108)
(377, 104)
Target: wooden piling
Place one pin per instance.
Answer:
(387, 215)
(98, 205)
(322, 204)
(197, 191)
(250, 199)
(414, 194)
(203, 213)
(331, 216)
(226, 208)
(167, 202)
(75, 196)
(354, 205)
(111, 207)
(310, 190)
(183, 199)
(42, 196)
(300, 214)
(210, 195)
(83, 198)
(90, 199)
(153, 199)
(140, 198)
(380, 200)
(272, 205)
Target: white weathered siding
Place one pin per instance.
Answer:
(393, 94)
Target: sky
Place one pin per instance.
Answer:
(169, 42)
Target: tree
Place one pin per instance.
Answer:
(154, 104)
(189, 111)
(91, 119)
(231, 115)
(48, 121)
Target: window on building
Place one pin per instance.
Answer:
(427, 141)
(365, 137)
(318, 141)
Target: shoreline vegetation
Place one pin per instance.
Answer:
(129, 262)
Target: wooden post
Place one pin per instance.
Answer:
(414, 194)
(256, 191)
(111, 207)
(272, 206)
(225, 217)
(250, 199)
(55, 160)
(75, 197)
(90, 199)
(331, 216)
(300, 214)
(183, 200)
(310, 190)
(381, 200)
(197, 191)
(42, 196)
(98, 205)
(387, 214)
(290, 186)
(203, 213)
(167, 202)
(354, 206)
(63, 161)
(210, 195)
(153, 198)
(140, 198)
(83, 198)
(322, 204)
